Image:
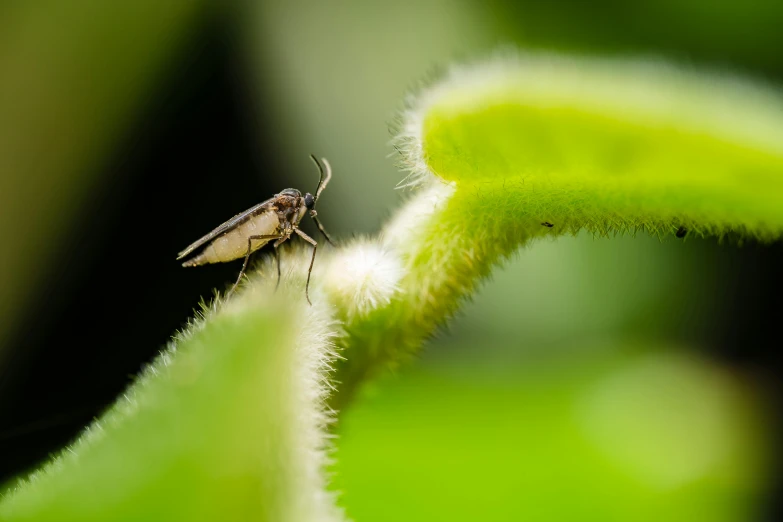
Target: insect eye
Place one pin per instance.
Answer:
(309, 201)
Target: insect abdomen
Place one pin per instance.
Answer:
(233, 244)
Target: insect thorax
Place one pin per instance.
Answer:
(290, 207)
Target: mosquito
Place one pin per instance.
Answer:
(275, 219)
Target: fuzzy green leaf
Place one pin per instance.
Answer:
(227, 424)
(610, 146)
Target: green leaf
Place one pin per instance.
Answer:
(501, 147)
(611, 145)
(227, 424)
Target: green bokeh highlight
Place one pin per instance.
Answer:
(76, 75)
(616, 432)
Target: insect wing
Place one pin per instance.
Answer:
(225, 227)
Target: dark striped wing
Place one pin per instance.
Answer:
(225, 227)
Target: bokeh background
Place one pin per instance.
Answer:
(590, 379)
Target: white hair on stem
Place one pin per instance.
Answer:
(316, 330)
(412, 217)
(646, 95)
(364, 275)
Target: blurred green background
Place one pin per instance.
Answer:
(590, 379)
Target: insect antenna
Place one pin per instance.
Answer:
(326, 175)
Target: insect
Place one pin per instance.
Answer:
(547, 224)
(276, 219)
(681, 232)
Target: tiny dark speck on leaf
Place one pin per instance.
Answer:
(547, 224)
(681, 232)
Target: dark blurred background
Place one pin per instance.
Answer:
(127, 132)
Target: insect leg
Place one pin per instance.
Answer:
(321, 228)
(277, 257)
(247, 257)
(312, 260)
